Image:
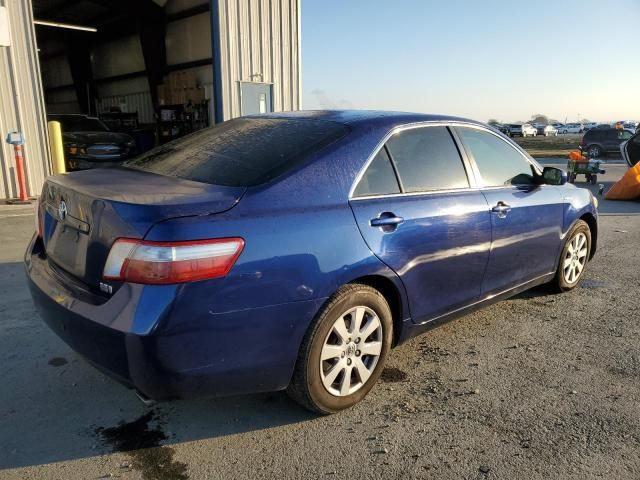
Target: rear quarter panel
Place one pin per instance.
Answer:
(301, 240)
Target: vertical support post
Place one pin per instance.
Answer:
(17, 140)
(56, 148)
(216, 51)
(22, 182)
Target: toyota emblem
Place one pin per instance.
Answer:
(62, 210)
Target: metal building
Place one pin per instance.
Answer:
(236, 57)
(21, 99)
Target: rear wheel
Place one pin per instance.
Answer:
(594, 151)
(574, 257)
(343, 354)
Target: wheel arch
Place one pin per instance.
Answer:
(591, 221)
(394, 297)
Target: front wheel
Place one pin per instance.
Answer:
(574, 257)
(344, 351)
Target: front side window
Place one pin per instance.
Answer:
(499, 162)
(427, 159)
(379, 179)
(624, 135)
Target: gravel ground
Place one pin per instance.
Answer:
(539, 386)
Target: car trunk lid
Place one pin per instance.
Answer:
(85, 212)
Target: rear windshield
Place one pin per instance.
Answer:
(240, 152)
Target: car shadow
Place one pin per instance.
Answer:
(54, 406)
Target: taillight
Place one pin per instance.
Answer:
(140, 261)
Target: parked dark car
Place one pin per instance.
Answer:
(292, 251)
(601, 141)
(515, 130)
(88, 143)
(501, 128)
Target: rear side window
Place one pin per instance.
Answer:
(427, 159)
(498, 161)
(240, 152)
(379, 179)
(594, 135)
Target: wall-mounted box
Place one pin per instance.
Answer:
(5, 35)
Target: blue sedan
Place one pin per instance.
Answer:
(293, 251)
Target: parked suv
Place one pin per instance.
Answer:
(599, 141)
(515, 130)
(529, 130)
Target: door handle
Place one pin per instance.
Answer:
(387, 220)
(501, 209)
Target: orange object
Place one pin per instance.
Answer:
(22, 184)
(575, 155)
(628, 187)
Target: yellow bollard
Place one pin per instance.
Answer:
(55, 146)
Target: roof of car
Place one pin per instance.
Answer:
(363, 117)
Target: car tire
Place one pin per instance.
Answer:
(594, 151)
(571, 266)
(314, 384)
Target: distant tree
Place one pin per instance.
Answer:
(493, 121)
(585, 120)
(539, 118)
(553, 120)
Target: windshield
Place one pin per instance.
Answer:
(80, 124)
(240, 152)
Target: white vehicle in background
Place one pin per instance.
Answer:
(572, 128)
(529, 130)
(550, 131)
(589, 126)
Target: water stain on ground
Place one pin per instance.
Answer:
(142, 442)
(58, 361)
(392, 375)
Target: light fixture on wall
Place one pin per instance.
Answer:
(254, 75)
(69, 26)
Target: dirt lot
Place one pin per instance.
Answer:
(540, 386)
(541, 146)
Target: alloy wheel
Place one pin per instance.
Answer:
(575, 258)
(351, 351)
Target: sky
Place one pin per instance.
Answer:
(483, 59)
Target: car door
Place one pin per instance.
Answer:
(631, 150)
(417, 213)
(610, 140)
(526, 217)
(620, 137)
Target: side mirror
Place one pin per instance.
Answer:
(554, 176)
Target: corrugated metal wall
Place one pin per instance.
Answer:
(21, 104)
(259, 42)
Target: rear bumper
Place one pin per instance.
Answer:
(139, 338)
